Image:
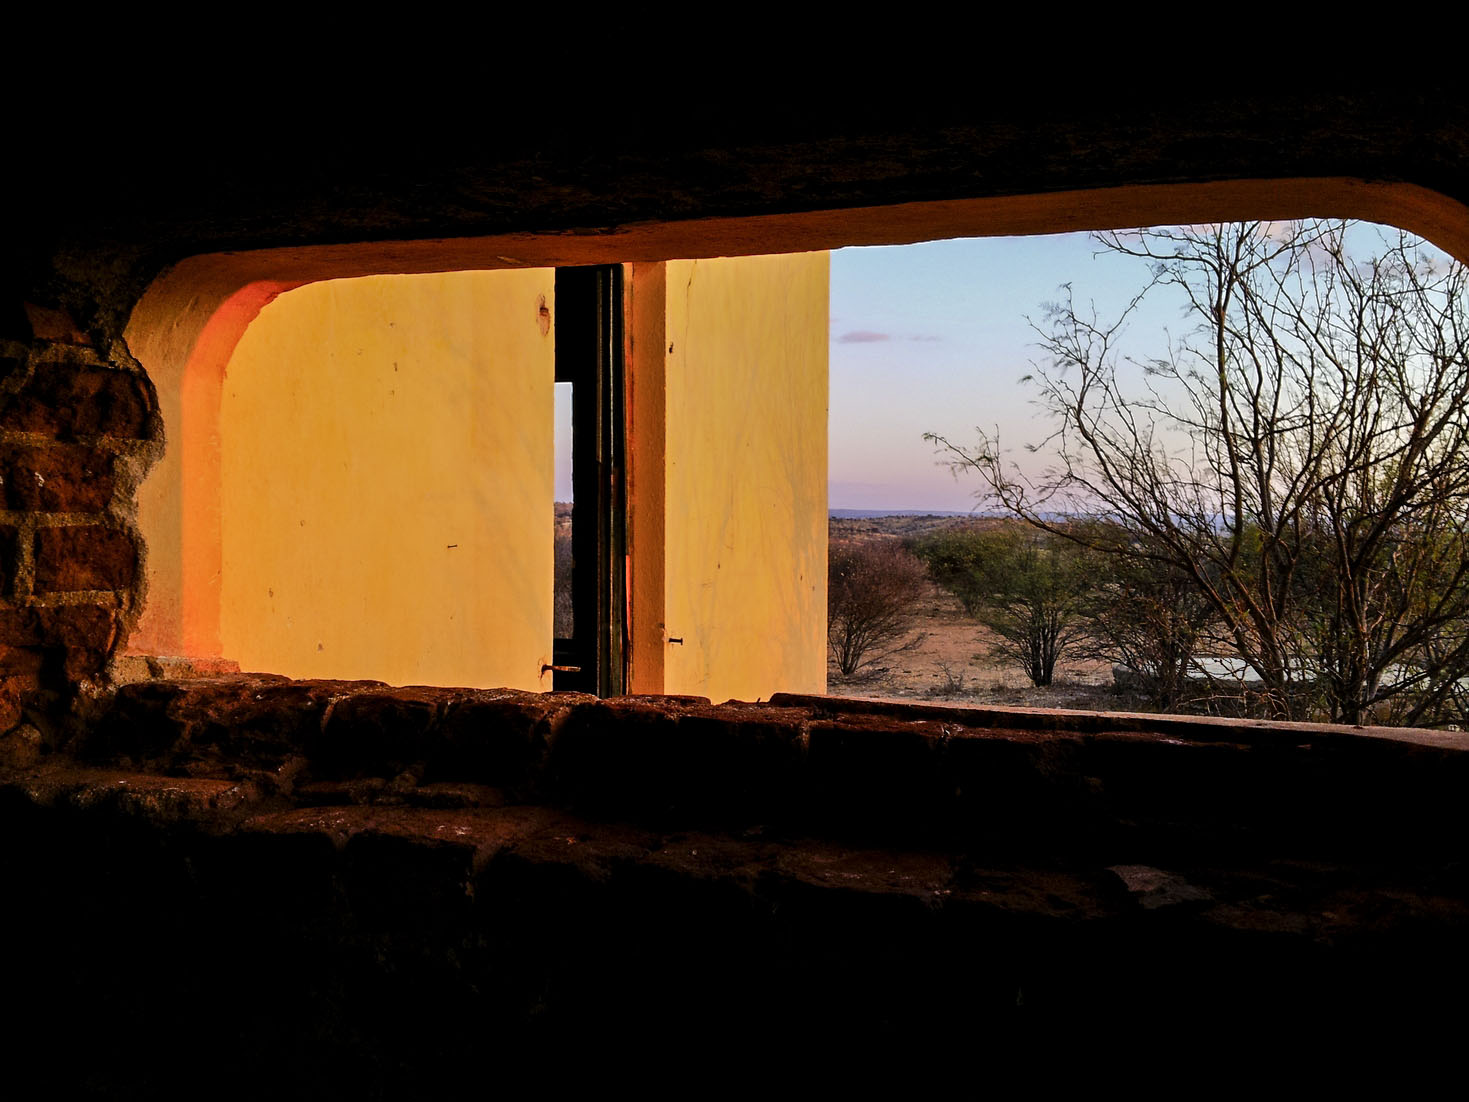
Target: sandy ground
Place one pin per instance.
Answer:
(948, 658)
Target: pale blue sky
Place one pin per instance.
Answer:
(934, 338)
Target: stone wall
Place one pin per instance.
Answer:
(341, 887)
(77, 431)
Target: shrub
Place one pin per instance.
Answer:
(1025, 586)
(872, 587)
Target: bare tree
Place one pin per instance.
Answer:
(872, 590)
(1302, 455)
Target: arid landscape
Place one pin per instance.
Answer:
(949, 657)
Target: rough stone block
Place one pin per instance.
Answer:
(61, 479)
(69, 400)
(670, 761)
(878, 773)
(380, 732)
(89, 627)
(15, 688)
(616, 755)
(19, 660)
(412, 866)
(736, 764)
(84, 557)
(11, 363)
(501, 737)
(1022, 785)
(255, 720)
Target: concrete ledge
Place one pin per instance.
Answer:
(1194, 728)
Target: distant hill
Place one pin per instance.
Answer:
(861, 524)
(862, 514)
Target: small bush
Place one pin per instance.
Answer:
(872, 588)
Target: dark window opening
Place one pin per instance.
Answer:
(589, 357)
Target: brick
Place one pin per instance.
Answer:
(68, 400)
(72, 641)
(79, 664)
(380, 732)
(869, 770)
(82, 626)
(84, 557)
(53, 325)
(14, 689)
(19, 660)
(259, 720)
(500, 737)
(43, 644)
(674, 762)
(61, 479)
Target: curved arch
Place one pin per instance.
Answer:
(186, 358)
(185, 327)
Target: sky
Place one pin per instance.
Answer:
(931, 338)
(934, 338)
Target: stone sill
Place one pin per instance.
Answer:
(1005, 788)
(1018, 779)
(657, 859)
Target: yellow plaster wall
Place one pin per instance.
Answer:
(745, 444)
(387, 481)
(178, 503)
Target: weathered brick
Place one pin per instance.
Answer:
(14, 689)
(500, 737)
(82, 626)
(668, 760)
(79, 664)
(63, 478)
(255, 719)
(869, 770)
(380, 732)
(84, 557)
(19, 660)
(42, 644)
(69, 400)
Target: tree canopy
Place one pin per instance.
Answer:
(1027, 587)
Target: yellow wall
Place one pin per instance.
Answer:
(399, 415)
(745, 515)
(178, 503)
(386, 481)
